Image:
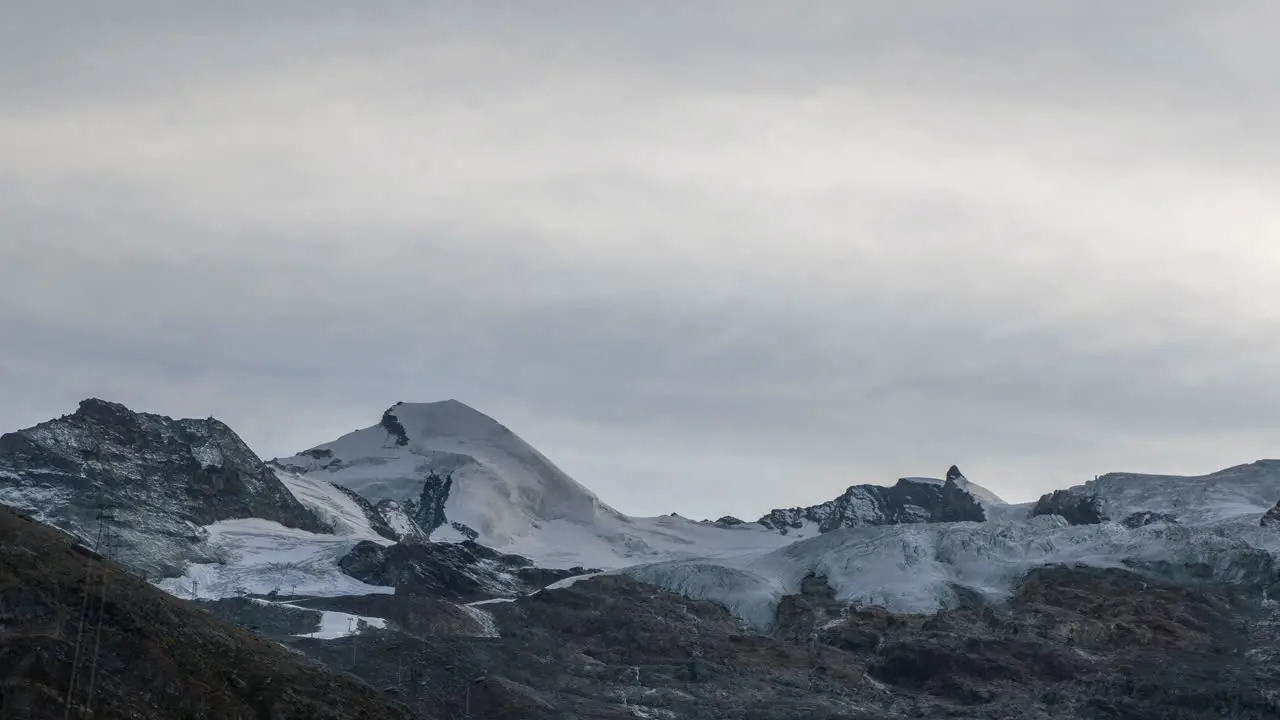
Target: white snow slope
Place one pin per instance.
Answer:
(1243, 491)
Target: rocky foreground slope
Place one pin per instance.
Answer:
(1072, 643)
(141, 653)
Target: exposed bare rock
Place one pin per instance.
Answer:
(1076, 508)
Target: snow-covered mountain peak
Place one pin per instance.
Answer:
(454, 466)
(448, 418)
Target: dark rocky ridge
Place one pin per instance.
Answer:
(1271, 518)
(459, 572)
(428, 512)
(1146, 517)
(909, 501)
(158, 657)
(400, 519)
(392, 425)
(164, 478)
(1076, 508)
(270, 620)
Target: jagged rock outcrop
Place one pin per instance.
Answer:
(429, 510)
(1076, 508)
(911, 500)
(1145, 517)
(1272, 517)
(460, 572)
(393, 426)
(326, 458)
(465, 531)
(908, 501)
(400, 519)
(159, 479)
(377, 521)
(787, 519)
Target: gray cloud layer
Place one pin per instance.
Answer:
(710, 257)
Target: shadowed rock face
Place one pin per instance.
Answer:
(1144, 518)
(1272, 517)
(163, 479)
(392, 425)
(429, 512)
(460, 572)
(377, 520)
(1076, 508)
(908, 501)
(157, 658)
(263, 618)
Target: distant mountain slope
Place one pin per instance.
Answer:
(1243, 491)
(145, 654)
(1187, 528)
(161, 480)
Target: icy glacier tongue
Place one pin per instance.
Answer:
(258, 557)
(1193, 527)
(921, 568)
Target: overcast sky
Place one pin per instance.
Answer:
(710, 257)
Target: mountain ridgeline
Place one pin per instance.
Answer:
(455, 571)
(911, 500)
